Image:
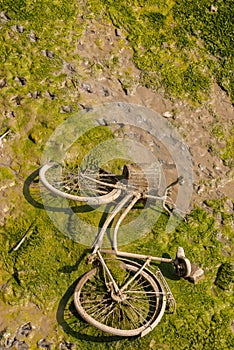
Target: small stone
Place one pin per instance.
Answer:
(17, 99)
(106, 92)
(9, 114)
(18, 28)
(168, 114)
(25, 329)
(44, 344)
(21, 80)
(3, 17)
(200, 189)
(66, 346)
(3, 83)
(213, 8)
(87, 88)
(32, 36)
(48, 53)
(34, 94)
(118, 32)
(50, 95)
(196, 274)
(20, 345)
(66, 109)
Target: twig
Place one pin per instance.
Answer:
(26, 235)
(5, 134)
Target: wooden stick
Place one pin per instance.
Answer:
(26, 235)
(5, 134)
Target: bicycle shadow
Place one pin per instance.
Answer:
(168, 270)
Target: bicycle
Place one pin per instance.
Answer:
(118, 295)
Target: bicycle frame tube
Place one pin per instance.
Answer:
(118, 207)
(136, 256)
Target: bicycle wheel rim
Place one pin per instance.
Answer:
(106, 198)
(102, 305)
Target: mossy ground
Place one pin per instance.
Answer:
(177, 49)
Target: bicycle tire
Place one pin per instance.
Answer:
(97, 307)
(91, 200)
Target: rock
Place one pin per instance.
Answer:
(18, 28)
(200, 189)
(3, 17)
(50, 95)
(9, 114)
(34, 94)
(20, 345)
(87, 88)
(66, 346)
(25, 329)
(106, 92)
(196, 274)
(17, 99)
(213, 8)
(21, 80)
(44, 344)
(3, 83)
(118, 32)
(66, 109)
(168, 114)
(48, 53)
(32, 36)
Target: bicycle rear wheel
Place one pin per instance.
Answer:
(138, 311)
(72, 184)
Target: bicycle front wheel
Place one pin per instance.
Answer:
(71, 185)
(138, 311)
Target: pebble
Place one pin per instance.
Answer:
(168, 114)
(200, 189)
(47, 53)
(66, 109)
(44, 344)
(50, 95)
(20, 345)
(34, 94)
(18, 28)
(196, 274)
(213, 8)
(9, 114)
(25, 329)
(3, 17)
(16, 99)
(87, 88)
(21, 80)
(3, 83)
(32, 36)
(106, 92)
(118, 32)
(66, 346)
